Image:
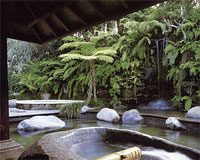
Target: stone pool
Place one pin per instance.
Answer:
(93, 142)
(179, 137)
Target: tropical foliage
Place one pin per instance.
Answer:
(70, 111)
(149, 53)
(91, 52)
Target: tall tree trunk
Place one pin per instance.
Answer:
(90, 88)
(94, 81)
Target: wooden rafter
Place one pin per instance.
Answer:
(49, 28)
(48, 14)
(35, 33)
(97, 10)
(124, 4)
(41, 8)
(60, 21)
(75, 14)
(23, 14)
(30, 9)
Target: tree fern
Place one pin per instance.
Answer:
(89, 53)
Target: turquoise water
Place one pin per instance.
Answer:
(174, 136)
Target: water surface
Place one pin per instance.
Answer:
(97, 149)
(174, 136)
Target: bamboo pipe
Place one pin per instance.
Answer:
(133, 153)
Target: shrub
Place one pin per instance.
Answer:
(70, 111)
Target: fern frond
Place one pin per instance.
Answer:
(74, 45)
(105, 58)
(111, 52)
(69, 72)
(71, 39)
(68, 57)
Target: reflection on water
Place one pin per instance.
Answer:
(173, 136)
(108, 125)
(168, 113)
(96, 149)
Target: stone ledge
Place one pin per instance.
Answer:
(10, 150)
(59, 145)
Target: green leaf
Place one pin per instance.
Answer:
(184, 98)
(55, 88)
(188, 104)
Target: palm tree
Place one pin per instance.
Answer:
(90, 52)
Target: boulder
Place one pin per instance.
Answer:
(85, 108)
(84, 143)
(41, 123)
(173, 123)
(12, 103)
(131, 117)
(109, 115)
(194, 113)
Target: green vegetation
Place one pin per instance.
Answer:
(70, 111)
(91, 52)
(150, 54)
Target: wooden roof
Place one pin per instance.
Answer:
(43, 21)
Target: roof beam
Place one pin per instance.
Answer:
(60, 21)
(38, 19)
(35, 33)
(41, 8)
(49, 28)
(97, 10)
(124, 4)
(29, 8)
(77, 16)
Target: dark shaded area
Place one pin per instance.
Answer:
(44, 21)
(36, 157)
(4, 119)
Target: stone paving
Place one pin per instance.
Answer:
(21, 113)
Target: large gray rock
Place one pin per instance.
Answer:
(173, 123)
(194, 113)
(131, 117)
(41, 123)
(108, 115)
(68, 145)
(85, 108)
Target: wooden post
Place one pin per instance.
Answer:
(4, 115)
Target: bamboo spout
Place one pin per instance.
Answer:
(133, 153)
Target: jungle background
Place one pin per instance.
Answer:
(147, 55)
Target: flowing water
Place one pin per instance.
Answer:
(97, 149)
(26, 139)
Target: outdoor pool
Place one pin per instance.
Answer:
(174, 136)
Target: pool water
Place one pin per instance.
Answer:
(174, 136)
(97, 149)
(167, 113)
